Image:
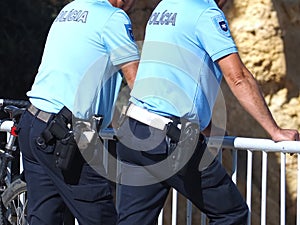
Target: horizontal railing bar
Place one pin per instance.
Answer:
(254, 144)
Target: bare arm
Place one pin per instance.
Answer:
(129, 71)
(245, 88)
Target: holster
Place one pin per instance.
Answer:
(183, 146)
(65, 150)
(59, 127)
(59, 132)
(66, 140)
(87, 138)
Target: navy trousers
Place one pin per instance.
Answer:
(51, 192)
(211, 189)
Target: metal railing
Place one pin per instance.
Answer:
(249, 145)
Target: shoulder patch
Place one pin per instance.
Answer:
(129, 31)
(221, 24)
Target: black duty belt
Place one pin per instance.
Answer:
(42, 115)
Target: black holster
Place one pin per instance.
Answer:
(65, 150)
(59, 132)
(67, 138)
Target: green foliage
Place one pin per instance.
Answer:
(24, 27)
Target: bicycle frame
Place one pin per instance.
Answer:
(13, 198)
(6, 126)
(6, 154)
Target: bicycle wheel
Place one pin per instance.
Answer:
(14, 200)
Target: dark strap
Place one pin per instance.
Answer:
(173, 132)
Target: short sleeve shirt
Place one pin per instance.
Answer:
(79, 69)
(178, 74)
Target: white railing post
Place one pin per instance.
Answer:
(282, 188)
(203, 219)
(161, 217)
(174, 206)
(189, 210)
(298, 190)
(234, 166)
(264, 188)
(249, 184)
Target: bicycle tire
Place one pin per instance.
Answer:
(15, 189)
(14, 202)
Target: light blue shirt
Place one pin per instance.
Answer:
(178, 74)
(79, 68)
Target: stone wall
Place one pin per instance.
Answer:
(267, 33)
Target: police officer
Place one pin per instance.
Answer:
(89, 48)
(187, 49)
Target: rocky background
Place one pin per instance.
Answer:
(267, 33)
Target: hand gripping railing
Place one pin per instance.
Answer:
(255, 144)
